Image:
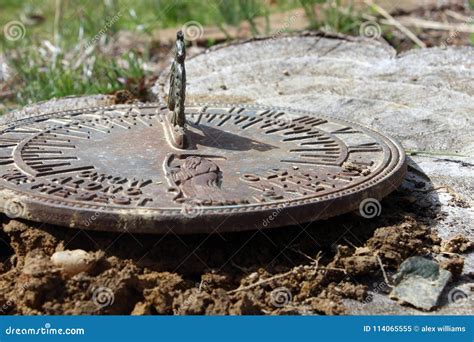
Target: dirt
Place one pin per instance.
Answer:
(457, 244)
(454, 264)
(282, 271)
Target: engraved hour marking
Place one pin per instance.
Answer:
(39, 166)
(53, 137)
(27, 158)
(325, 143)
(198, 120)
(330, 149)
(304, 137)
(225, 118)
(83, 125)
(210, 117)
(46, 143)
(279, 129)
(322, 156)
(368, 147)
(299, 161)
(240, 118)
(345, 130)
(8, 142)
(67, 170)
(62, 121)
(26, 131)
(115, 123)
(251, 123)
(147, 124)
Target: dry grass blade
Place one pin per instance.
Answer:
(433, 25)
(396, 23)
(457, 16)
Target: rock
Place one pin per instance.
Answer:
(405, 95)
(353, 78)
(73, 262)
(420, 282)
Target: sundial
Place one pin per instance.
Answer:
(191, 168)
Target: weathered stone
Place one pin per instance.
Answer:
(73, 262)
(420, 282)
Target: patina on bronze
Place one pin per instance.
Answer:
(177, 94)
(152, 168)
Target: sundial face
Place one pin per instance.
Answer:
(244, 167)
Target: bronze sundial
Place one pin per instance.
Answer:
(199, 168)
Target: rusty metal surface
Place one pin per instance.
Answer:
(245, 167)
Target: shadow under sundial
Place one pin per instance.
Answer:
(272, 249)
(226, 261)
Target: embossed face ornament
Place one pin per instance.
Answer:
(203, 168)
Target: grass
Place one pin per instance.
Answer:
(97, 74)
(332, 16)
(88, 17)
(57, 33)
(433, 153)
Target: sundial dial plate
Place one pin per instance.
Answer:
(114, 168)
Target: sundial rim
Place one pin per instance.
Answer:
(112, 217)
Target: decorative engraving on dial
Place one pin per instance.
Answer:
(286, 184)
(238, 160)
(197, 179)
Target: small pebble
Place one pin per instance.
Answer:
(73, 262)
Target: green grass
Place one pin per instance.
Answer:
(147, 16)
(97, 74)
(333, 16)
(433, 153)
(70, 25)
